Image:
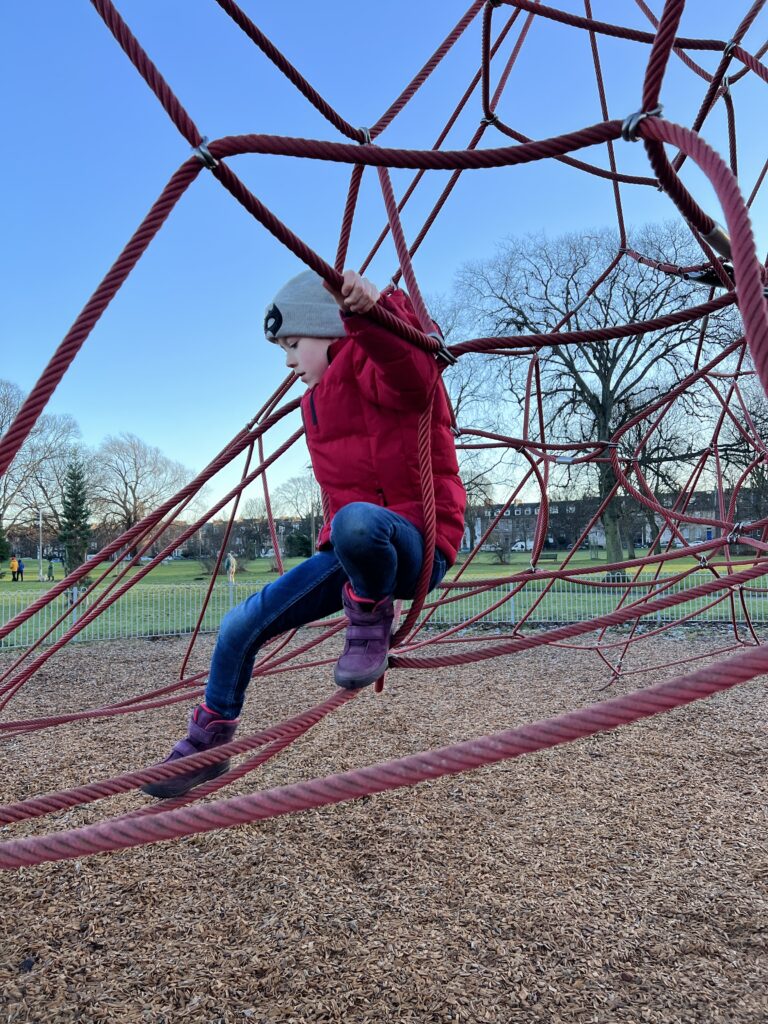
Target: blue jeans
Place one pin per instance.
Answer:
(378, 551)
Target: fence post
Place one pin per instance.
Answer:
(75, 609)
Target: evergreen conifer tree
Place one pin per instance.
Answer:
(5, 547)
(75, 531)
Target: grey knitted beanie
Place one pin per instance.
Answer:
(303, 308)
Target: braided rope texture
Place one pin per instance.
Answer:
(744, 288)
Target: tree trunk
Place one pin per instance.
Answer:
(610, 517)
(613, 549)
(470, 524)
(628, 525)
(650, 518)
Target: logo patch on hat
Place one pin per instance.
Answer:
(273, 321)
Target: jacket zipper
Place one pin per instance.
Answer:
(312, 406)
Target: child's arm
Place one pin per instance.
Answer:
(402, 375)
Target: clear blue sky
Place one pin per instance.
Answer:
(179, 358)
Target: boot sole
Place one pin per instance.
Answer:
(357, 682)
(183, 783)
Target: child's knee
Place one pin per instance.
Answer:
(351, 526)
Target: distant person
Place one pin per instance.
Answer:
(230, 565)
(13, 565)
(50, 570)
(20, 571)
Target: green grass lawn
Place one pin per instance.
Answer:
(486, 564)
(191, 571)
(180, 570)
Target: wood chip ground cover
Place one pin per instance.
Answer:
(618, 879)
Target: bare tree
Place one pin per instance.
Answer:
(480, 491)
(56, 448)
(254, 508)
(254, 526)
(300, 497)
(473, 385)
(589, 390)
(34, 480)
(740, 446)
(664, 463)
(131, 478)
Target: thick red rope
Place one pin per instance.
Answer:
(406, 771)
(161, 822)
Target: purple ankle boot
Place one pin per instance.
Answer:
(206, 730)
(366, 650)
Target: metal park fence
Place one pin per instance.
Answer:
(157, 611)
(142, 612)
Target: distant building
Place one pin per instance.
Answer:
(567, 521)
(570, 520)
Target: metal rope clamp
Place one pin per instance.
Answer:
(708, 276)
(204, 154)
(366, 139)
(719, 239)
(736, 531)
(632, 123)
(442, 352)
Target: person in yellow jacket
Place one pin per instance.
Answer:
(13, 565)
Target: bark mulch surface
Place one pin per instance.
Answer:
(618, 879)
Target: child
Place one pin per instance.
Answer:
(366, 391)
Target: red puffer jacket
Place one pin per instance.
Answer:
(362, 421)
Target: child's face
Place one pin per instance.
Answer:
(307, 357)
